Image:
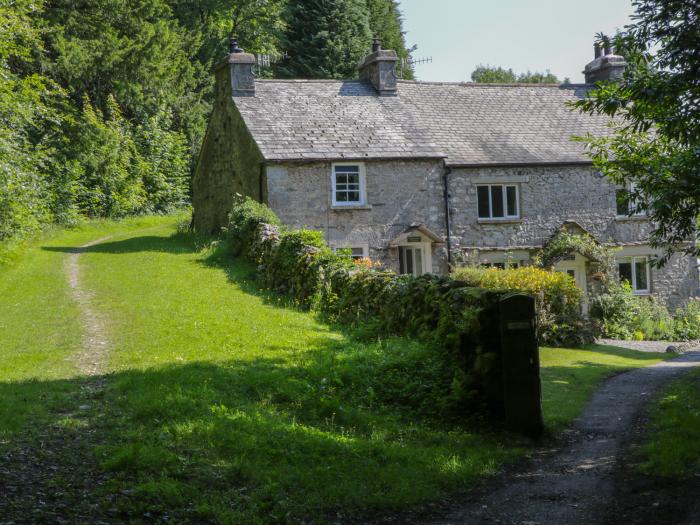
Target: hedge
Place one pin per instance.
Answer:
(558, 299)
(458, 320)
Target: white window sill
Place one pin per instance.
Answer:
(513, 220)
(642, 293)
(351, 207)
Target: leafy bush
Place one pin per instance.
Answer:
(623, 315)
(614, 311)
(557, 299)
(246, 214)
(686, 324)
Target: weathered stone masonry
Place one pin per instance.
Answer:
(399, 193)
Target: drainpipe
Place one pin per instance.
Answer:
(446, 195)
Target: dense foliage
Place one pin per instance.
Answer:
(103, 104)
(459, 320)
(557, 299)
(623, 315)
(655, 144)
(498, 75)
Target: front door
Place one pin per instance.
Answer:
(411, 260)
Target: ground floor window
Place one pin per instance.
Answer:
(356, 252)
(501, 265)
(635, 271)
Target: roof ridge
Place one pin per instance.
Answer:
(422, 82)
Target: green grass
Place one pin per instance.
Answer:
(224, 405)
(673, 446)
(569, 377)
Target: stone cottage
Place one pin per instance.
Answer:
(418, 174)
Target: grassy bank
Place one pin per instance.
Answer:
(673, 445)
(224, 405)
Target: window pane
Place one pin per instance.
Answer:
(497, 201)
(341, 179)
(418, 261)
(408, 256)
(402, 261)
(347, 169)
(353, 196)
(625, 272)
(640, 275)
(511, 199)
(483, 194)
(623, 202)
(341, 196)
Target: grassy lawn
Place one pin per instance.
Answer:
(673, 445)
(223, 405)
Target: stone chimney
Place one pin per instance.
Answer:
(240, 71)
(379, 68)
(605, 66)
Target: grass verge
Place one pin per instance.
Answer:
(673, 445)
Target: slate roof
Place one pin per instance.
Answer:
(466, 124)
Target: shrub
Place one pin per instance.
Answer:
(622, 315)
(614, 311)
(686, 324)
(557, 298)
(246, 214)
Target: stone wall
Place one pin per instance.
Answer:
(398, 194)
(229, 162)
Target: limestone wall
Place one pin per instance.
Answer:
(398, 194)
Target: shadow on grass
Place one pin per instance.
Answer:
(177, 243)
(336, 438)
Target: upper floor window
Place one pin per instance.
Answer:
(348, 184)
(625, 202)
(498, 201)
(635, 270)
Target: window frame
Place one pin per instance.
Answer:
(632, 261)
(362, 185)
(504, 196)
(631, 209)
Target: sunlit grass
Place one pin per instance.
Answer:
(673, 446)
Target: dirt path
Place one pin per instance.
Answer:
(574, 483)
(50, 473)
(93, 356)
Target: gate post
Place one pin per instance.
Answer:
(522, 391)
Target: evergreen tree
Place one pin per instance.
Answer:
(386, 24)
(325, 38)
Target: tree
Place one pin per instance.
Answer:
(654, 145)
(498, 75)
(386, 24)
(325, 38)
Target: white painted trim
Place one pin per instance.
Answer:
(632, 260)
(506, 217)
(363, 186)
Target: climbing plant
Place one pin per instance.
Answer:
(565, 243)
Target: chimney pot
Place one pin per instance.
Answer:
(234, 74)
(606, 66)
